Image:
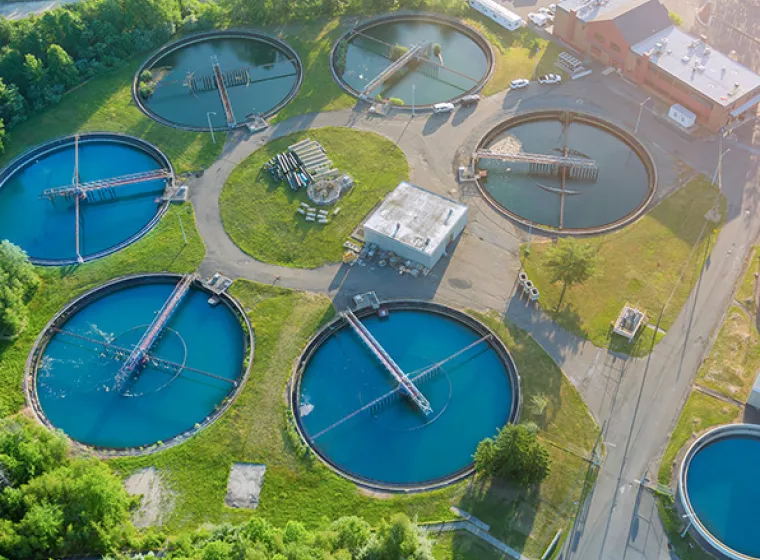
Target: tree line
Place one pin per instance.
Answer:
(42, 57)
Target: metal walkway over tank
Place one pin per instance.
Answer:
(409, 388)
(219, 77)
(403, 60)
(160, 363)
(81, 190)
(419, 376)
(136, 358)
(539, 159)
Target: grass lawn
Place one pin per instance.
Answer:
(319, 92)
(260, 215)
(461, 545)
(516, 54)
(255, 429)
(162, 249)
(666, 243)
(105, 104)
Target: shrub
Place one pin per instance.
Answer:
(146, 90)
(397, 51)
(396, 101)
(676, 19)
(146, 76)
(437, 49)
(18, 282)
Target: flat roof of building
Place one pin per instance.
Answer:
(691, 61)
(589, 10)
(497, 8)
(416, 217)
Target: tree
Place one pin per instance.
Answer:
(28, 450)
(12, 104)
(61, 66)
(515, 454)
(538, 404)
(570, 262)
(398, 538)
(351, 534)
(18, 282)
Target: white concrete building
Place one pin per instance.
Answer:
(498, 13)
(416, 224)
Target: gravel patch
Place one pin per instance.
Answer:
(157, 500)
(244, 485)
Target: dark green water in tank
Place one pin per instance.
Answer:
(464, 62)
(273, 75)
(622, 184)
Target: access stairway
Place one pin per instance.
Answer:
(409, 388)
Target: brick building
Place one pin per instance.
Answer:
(638, 38)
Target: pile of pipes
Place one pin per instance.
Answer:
(287, 167)
(302, 163)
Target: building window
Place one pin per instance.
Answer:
(614, 47)
(599, 38)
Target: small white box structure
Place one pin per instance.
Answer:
(754, 396)
(682, 116)
(629, 322)
(416, 224)
(498, 13)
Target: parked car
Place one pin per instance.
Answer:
(468, 100)
(443, 107)
(519, 83)
(549, 79)
(546, 12)
(538, 19)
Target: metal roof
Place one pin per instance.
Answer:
(416, 217)
(691, 61)
(636, 19)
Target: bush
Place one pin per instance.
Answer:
(146, 76)
(397, 51)
(515, 454)
(396, 101)
(18, 282)
(676, 19)
(146, 90)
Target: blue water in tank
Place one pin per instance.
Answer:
(398, 444)
(46, 230)
(723, 483)
(77, 382)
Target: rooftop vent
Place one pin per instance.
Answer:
(707, 51)
(685, 58)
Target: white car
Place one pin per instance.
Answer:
(443, 108)
(549, 79)
(538, 19)
(519, 83)
(546, 12)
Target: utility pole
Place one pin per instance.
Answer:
(413, 87)
(211, 128)
(182, 227)
(718, 175)
(641, 110)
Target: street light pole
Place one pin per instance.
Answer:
(719, 168)
(413, 87)
(641, 110)
(211, 128)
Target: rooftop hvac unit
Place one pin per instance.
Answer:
(685, 58)
(707, 51)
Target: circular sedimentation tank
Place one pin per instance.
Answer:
(348, 410)
(109, 219)
(75, 381)
(719, 491)
(609, 176)
(261, 75)
(458, 60)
